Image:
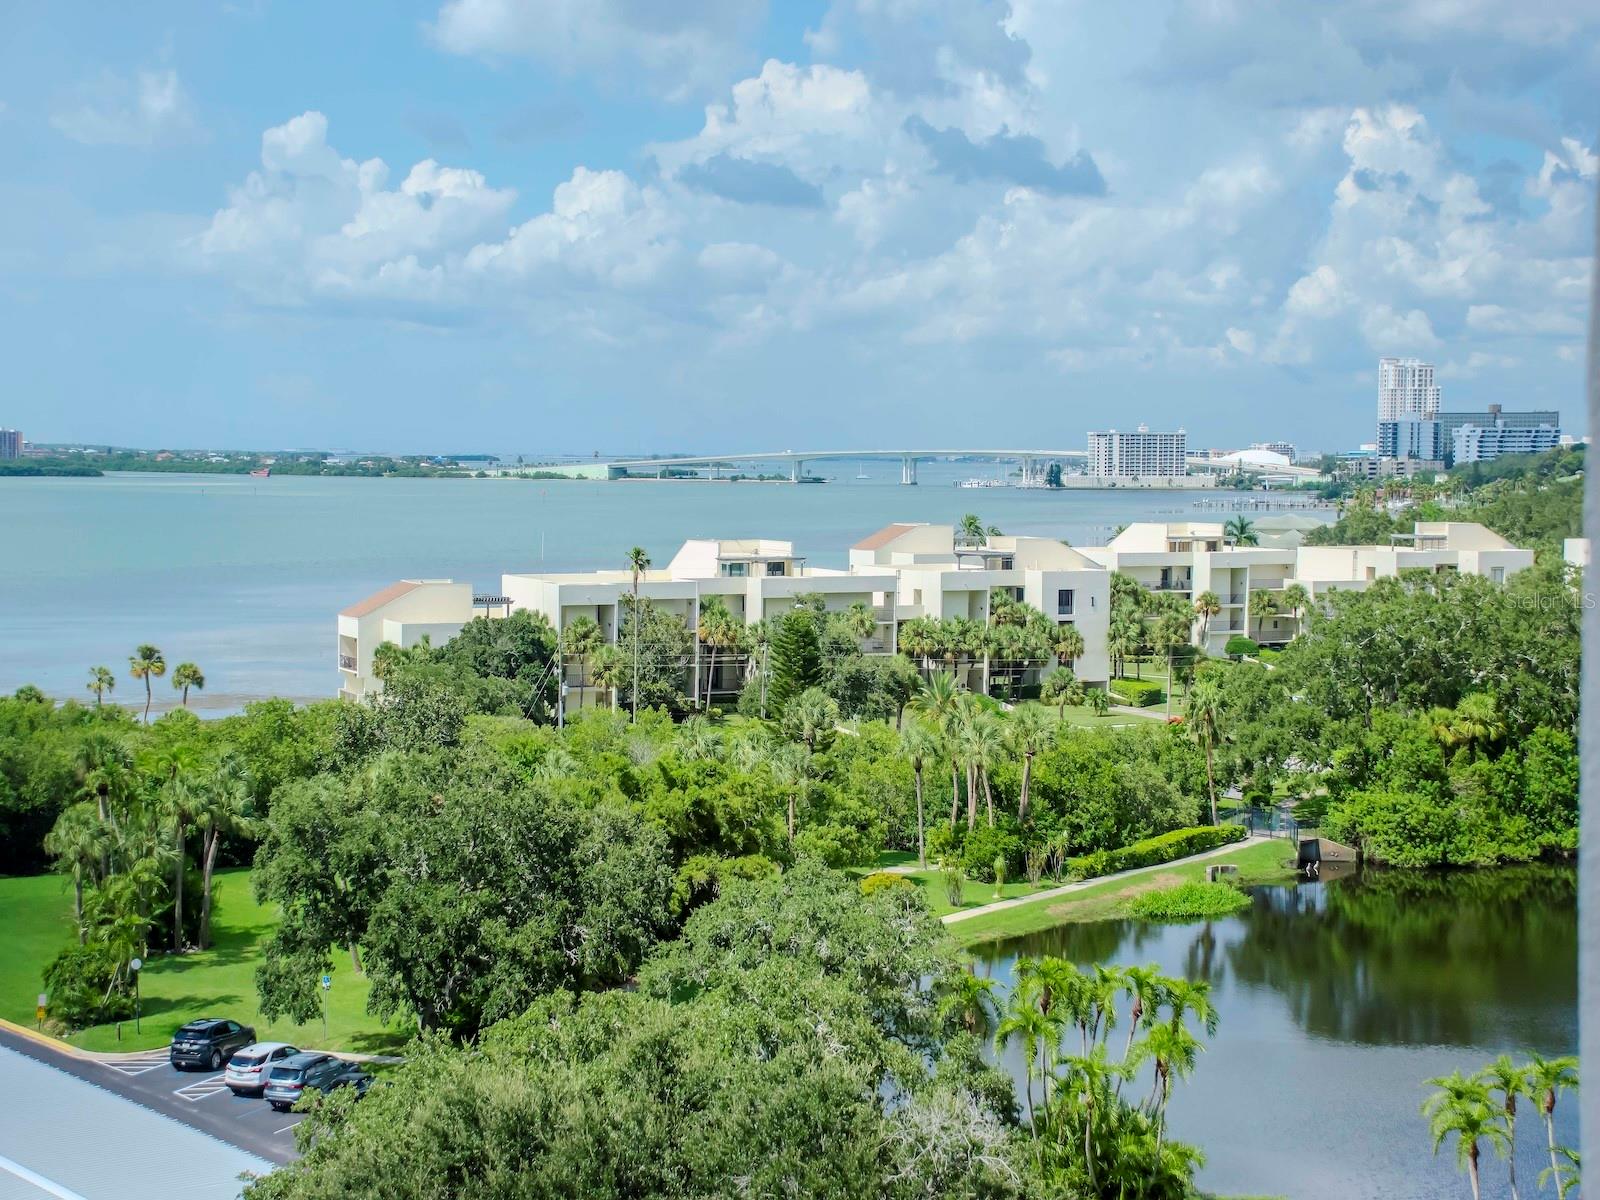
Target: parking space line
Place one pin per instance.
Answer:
(137, 1066)
(286, 1128)
(201, 1089)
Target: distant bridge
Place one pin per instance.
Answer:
(797, 459)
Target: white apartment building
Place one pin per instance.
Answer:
(940, 578)
(1284, 448)
(1143, 452)
(1188, 558)
(1484, 443)
(402, 613)
(1406, 388)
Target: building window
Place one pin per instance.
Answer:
(1064, 602)
(735, 569)
(1497, 574)
(776, 568)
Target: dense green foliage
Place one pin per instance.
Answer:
(1140, 693)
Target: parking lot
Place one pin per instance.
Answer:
(76, 1136)
(197, 1099)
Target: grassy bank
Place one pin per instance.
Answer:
(174, 988)
(1262, 862)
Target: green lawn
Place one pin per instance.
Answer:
(1083, 717)
(1263, 862)
(216, 982)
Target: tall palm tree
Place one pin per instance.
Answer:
(1295, 599)
(146, 662)
(790, 764)
(1029, 730)
(1547, 1079)
(937, 701)
(182, 801)
(186, 676)
(1146, 990)
(1240, 531)
(1203, 714)
(101, 681)
(1023, 1022)
(1510, 1081)
(77, 843)
(223, 810)
(859, 620)
(920, 743)
(609, 668)
(638, 564)
(1067, 643)
(718, 629)
(1263, 604)
(1462, 1108)
(968, 999)
(1206, 605)
(580, 639)
(1171, 630)
(1123, 642)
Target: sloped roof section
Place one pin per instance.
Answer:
(377, 600)
(877, 541)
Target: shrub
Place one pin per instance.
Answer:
(1180, 843)
(981, 847)
(78, 982)
(955, 885)
(1034, 862)
(999, 873)
(1140, 693)
(883, 881)
(1189, 902)
(1239, 646)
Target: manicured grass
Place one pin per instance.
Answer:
(1262, 862)
(895, 858)
(1083, 717)
(176, 988)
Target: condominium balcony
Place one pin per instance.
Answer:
(347, 662)
(1172, 585)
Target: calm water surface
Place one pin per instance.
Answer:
(1338, 1000)
(244, 576)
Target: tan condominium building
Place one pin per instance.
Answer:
(905, 571)
(1190, 558)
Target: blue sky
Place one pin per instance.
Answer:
(564, 225)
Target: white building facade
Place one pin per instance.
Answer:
(1406, 388)
(1139, 453)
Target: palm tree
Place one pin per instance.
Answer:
(1207, 605)
(790, 764)
(609, 667)
(756, 643)
(1462, 1108)
(1295, 599)
(716, 628)
(223, 810)
(1024, 1022)
(77, 843)
(1147, 990)
(101, 681)
(1125, 637)
(1477, 723)
(973, 532)
(581, 639)
(1067, 643)
(186, 676)
(1029, 731)
(1511, 1081)
(1547, 1079)
(1171, 630)
(638, 564)
(146, 662)
(182, 803)
(859, 620)
(937, 701)
(967, 998)
(1240, 531)
(1263, 604)
(921, 744)
(1203, 713)
(1061, 688)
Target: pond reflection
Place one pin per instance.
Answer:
(1339, 999)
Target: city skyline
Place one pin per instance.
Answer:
(544, 225)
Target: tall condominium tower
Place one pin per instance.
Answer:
(1406, 389)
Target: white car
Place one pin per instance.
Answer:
(247, 1069)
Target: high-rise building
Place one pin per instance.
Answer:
(1406, 389)
(1139, 453)
(1411, 437)
(10, 443)
(1484, 443)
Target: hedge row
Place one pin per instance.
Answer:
(1180, 843)
(1140, 693)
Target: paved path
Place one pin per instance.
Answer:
(1067, 889)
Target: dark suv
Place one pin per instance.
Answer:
(298, 1074)
(208, 1042)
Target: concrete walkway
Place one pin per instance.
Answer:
(1067, 889)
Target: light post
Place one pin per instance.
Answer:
(327, 984)
(134, 965)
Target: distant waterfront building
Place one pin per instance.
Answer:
(1373, 467)
(10, 443)
(1410, 437)
(1494, 414)
(1485, 443)
(1406, 388)
(1115, 455)
(1284, 448)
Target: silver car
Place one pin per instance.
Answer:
(248, 1068)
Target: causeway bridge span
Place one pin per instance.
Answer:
(1033, 461)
